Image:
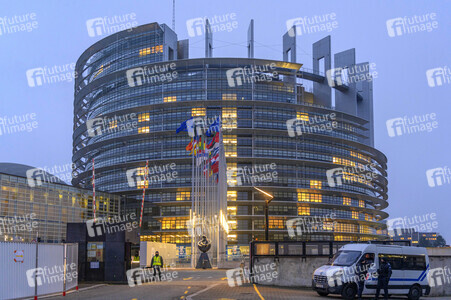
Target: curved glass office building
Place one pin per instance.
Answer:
(303, 136)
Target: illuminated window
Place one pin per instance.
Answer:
(315, 184)
(170, 99)
(183, 196)
(143, 52)
(344, 227)
(158, 48)
(150, 50)
(228, 96)
(231, 195)
(231, 174)
(177, 239)
(302, 116)
(150, 238)
(231, 237)
(342, 161)
(229, 117)
(303, 197)
(229, 112)
(173, 223)
(142, 184)
(355, 214)
(232, 224)
(328, 226)
(143, 117)
(113, 124)
(230, 145)
(344, 238)
(346, 201)
(198, 112)
(140, 173)
(361, 203)
(360, 156)
(231, 210)
(303, 211)
(306, 197)
(364, 229)
(276, 223)
(143, 129)
(315, 198)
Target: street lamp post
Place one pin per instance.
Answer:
(267, 220)
(266, 211)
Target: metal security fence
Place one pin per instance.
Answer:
(279, 248)
(71, 258)
(34, 269)
(276, 249)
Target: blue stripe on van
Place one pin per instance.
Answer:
(420, 278)
(425, 273)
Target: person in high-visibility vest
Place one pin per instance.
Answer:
(136, 257)
(157, 262)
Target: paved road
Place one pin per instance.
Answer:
(194, 285)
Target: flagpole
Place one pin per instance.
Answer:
(146, 174)
(222, 191)
(197, 187)
(204, 196)
(94, 190)
(193, 229)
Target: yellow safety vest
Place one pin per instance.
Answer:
(157, 260)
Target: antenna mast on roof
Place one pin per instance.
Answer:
(173, 15)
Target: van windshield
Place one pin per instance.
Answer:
(344, 258)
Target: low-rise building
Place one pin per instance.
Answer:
(42, 205)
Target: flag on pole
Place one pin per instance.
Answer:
(213, 141)
(215, 167)
(183, 126)
(189, 148)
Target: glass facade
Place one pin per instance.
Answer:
(43, 211)
(255, 116)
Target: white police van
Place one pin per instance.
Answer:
(409, 271)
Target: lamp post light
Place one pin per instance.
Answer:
(266, 211)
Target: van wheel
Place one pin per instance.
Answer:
(414, 292)
(349, 291)
(324, 294)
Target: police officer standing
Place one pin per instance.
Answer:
(384, 272)
(363, 267)
(157, 262)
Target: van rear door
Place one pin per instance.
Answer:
(415, 265)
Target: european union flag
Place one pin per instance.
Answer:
(183, 126)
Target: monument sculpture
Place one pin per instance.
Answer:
(204, 245)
